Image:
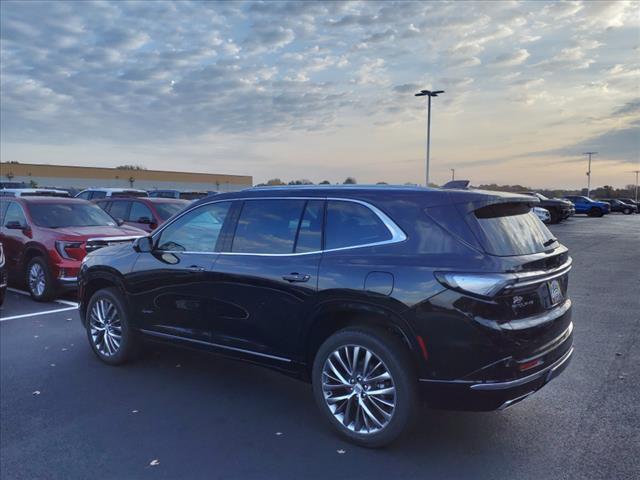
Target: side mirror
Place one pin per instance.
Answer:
(119, 221)
(15, 225)
(143, 244)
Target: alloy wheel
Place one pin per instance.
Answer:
(358, 389)
(105, 327)
(37, 279)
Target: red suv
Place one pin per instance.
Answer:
(46, 238)
(144, 213)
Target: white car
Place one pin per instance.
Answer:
(96, 193)
(543, 214)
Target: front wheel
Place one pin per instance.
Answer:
(40, 280)
(108, 328)
(627, 211)
(365, 385)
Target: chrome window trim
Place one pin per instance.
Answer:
(397, 234)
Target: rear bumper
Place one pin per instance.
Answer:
(494, 394)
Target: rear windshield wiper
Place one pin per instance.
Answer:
(549, 242)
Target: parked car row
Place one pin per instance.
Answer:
(98, 193)
(45, 238)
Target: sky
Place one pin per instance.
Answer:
(325, 90)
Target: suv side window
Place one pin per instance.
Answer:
(139, 211)
(15, 214)
(3, 209)
(268, 226)
(97, 194)
(310, 230)
(120, 210)
(85, 195)
(350, 224)
(196, 231)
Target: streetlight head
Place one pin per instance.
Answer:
(420, 94)
(437, 92)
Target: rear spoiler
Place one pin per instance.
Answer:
(457, 184)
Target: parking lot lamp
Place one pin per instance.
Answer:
(589, 171)
(429, 94)
(636, 172)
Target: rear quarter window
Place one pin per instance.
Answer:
(351, 224)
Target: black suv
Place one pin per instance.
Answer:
(380, 296)
(620, 206)
(558, 209)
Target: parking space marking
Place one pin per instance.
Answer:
(63, 302)
(46, 312)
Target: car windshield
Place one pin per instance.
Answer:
(168, 209)
(541, 196)
(58, 215)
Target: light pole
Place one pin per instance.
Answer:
(636, 172)
(428, 93)
(453, 174)
(589, 172)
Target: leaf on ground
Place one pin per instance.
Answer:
(53, 364)
(341, 452)
(178, 365)
(64, 349)
(135, 411)
(278, 434)
(154, 462)
(36, 392)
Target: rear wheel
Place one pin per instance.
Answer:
(365, 385)
(108, 327)
(627, 211)
(595, 212)
(40, 280)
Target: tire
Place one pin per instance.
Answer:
(2, 294)
(627, 211)
(107, 306)
(392, 409)
(40, 281)
(595, 212)
(556, 217)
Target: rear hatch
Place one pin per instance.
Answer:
(531, 305)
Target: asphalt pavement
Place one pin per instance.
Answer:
(179, 414)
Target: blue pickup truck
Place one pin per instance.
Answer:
(586, 205)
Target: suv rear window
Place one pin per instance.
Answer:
(512, 229)
(350, 224)
(128, 193)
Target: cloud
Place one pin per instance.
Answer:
(128, 73)
(511, 59)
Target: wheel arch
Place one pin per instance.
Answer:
(335, 316)
(97, 280)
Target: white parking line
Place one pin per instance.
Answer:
(46, 312)
(63, 302)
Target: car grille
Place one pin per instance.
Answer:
(97, 243)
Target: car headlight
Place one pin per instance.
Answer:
(69, 250)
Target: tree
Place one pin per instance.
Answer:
(130, 167)
(349, 181)
(275, 181)
(325, 182)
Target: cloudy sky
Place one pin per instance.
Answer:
(325, 90)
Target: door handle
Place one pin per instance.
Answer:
(196, 268)
(296, 277)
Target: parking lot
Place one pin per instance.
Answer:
(181, 414)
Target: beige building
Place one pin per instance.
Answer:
(63, 176)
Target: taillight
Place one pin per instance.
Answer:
(70, 250)
(480, 284)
